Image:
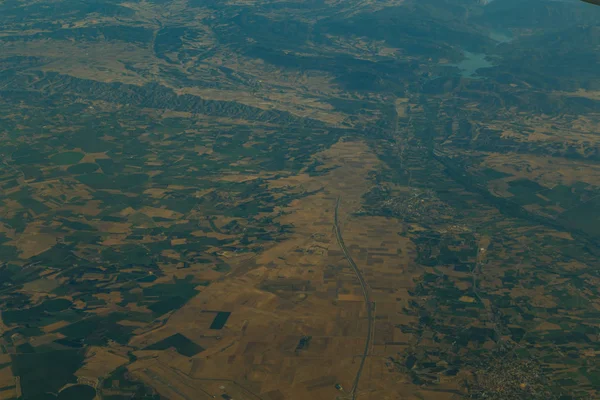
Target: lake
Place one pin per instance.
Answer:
(472, 62)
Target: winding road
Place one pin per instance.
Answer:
(367, 297)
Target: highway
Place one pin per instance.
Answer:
(367, 297)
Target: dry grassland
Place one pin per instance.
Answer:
(299, 287)
(547, 171)
(99, 362)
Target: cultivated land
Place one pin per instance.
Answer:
(273, 200)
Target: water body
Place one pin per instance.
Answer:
(501, 37)
(472, 62)
(475, 61)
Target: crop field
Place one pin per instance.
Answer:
(291, 200)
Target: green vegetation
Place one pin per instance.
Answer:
(67, 158)
(149, 149)
(46, 372)
(220, 320)
(47, 311)
(83, 168)
(97, 330)
(77, 392)
(183, 345)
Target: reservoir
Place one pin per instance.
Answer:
(472, 62)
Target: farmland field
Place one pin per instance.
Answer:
(299, 199)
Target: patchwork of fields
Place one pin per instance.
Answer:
(323, 199)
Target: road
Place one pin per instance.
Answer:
(367, 297)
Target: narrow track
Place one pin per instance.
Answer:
(367, 297)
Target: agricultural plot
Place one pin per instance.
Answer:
(298, 200)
